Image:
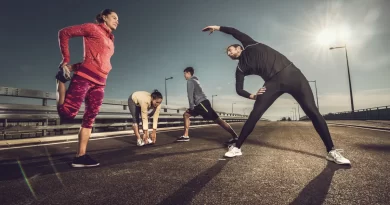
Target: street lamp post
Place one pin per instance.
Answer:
(315, 85)
(299, 115)
(166, 95)
(232, 107)
(212, 100)
(349, 76)
(295, 112)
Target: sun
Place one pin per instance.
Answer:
(326, 37)
(329, 36)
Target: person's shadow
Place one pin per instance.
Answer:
(191, 189)
(316, 191)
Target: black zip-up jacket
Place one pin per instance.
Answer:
(255, 59)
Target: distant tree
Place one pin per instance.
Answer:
(283, 119)
(289, 119)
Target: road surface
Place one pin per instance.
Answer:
(282, 163)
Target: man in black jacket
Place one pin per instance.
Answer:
(280, 76)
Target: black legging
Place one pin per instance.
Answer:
(289, 80)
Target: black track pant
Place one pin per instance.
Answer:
(289, 80)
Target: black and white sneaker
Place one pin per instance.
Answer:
(84, 161)
(231, 141)
(183, 139)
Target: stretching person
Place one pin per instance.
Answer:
(280, 76)
(200, 105)
(139, 104)
(89, 79)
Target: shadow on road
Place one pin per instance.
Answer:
(268, 145)
(45, 165)
(315, 192)
(188, 191)
(264, 144)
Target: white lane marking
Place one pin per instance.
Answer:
(365, 128)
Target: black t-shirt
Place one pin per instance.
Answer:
(256, 59)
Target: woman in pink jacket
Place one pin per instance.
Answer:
(89, 78)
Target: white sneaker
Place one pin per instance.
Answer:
(335, 156)
(150, 141)
(183, 139)
(140, 143)
(233, 151)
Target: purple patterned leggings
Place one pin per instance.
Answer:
(81, 89)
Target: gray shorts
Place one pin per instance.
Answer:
(135, 111)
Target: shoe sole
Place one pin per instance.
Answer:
(182, 140)
(234, 155)
(140, 145)
(331, 159)
(83, 165)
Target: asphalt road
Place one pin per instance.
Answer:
(282, 163)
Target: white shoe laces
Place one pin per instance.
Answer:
(234, 149)
(336, 153)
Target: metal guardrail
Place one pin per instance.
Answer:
(375, 113)
(45, 96)
(26, 120)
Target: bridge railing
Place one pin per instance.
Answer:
(375, 113)
(32, 120)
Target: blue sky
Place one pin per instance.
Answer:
(158, 39)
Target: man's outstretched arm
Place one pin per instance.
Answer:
(240, 36)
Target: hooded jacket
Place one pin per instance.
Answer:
(195, 92)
